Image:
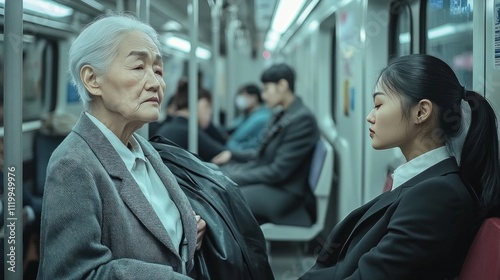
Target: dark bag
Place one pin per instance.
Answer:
(233, 246)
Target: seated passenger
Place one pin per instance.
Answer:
(216, 132)
(177, 129)
(423, 228)
(274, 179)
(250, 131)
(111, 208)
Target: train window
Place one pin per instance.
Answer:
(449, 35)
(38, 75)
(400, 29)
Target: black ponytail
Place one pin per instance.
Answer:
(420, 76)
(480, 166)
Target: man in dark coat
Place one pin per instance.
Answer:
(273, 179)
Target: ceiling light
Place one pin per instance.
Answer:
(185, 46)
(46, 7)
(286, 12)
(172, 25)
(307, 11)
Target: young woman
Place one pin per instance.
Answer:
(423, 228)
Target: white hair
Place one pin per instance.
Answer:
(97, 46)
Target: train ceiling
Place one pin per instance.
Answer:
(253, 17)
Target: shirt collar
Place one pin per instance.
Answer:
(417, 165)
(128, 156)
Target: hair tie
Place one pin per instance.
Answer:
(464, 93)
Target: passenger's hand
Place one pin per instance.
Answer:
(222, 157)
(201, 226)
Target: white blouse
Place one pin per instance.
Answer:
(148, 180)
(417, 165)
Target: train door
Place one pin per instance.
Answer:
(326, 89)
(348, 111)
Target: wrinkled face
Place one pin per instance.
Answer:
(132, 87)
(273, 94)
(204, 112)
(388, 126)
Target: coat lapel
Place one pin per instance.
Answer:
(273, 128)
(125, 183)
(142, 209)
(280, 120)
(176, 194)
(385, 200)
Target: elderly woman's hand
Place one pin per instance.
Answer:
(201, 226)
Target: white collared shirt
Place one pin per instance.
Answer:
(417, 165)
(148, 180)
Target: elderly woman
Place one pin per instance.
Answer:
(112, 209)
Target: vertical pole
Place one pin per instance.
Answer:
(142, 11)
(215, 9)
(13, 165)
(193, 77)
(120, 6)
(231, 60)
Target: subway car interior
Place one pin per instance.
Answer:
(336, 47)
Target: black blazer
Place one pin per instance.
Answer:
(232, 232)
(420, 230)
(176, 131)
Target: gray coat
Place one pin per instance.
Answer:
(96, 222)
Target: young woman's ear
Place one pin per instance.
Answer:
(89, 79)
(422, 111)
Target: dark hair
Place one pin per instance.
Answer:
(253, 90)
(418, 76)
(277, 72)
(181, 97)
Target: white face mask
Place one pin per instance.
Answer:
(241, 102)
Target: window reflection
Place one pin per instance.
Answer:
(449, 35)
(33, 84)
(403, 31)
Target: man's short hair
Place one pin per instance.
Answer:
(277, 72)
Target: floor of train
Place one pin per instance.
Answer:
(290, 260)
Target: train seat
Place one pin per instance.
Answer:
(483, 259)
(320, 181)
